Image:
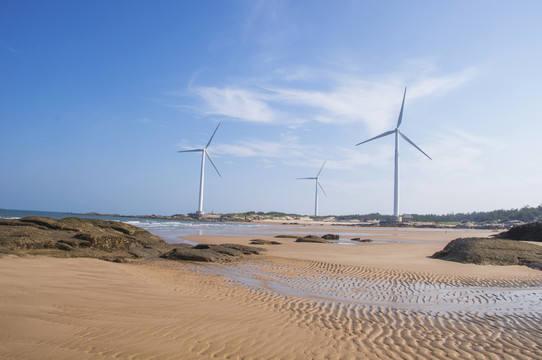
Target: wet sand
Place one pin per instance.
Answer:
(298, 301)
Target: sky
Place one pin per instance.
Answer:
(98, 97)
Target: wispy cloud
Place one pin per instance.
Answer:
(235, 103)
(457, 153)
(311, 94)
(264, 149)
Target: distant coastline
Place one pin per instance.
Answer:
(496, 219)
(293, 219)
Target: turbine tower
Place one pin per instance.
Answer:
(397, 132)
(317, 184)
(204, 153)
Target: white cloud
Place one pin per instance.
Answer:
(429, 85)
(234, 103)
(264, 149)
(312, 94)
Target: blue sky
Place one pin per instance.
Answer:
(97, 97)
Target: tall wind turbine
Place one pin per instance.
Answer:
(204, 153)
(317, 184)
(396, 176)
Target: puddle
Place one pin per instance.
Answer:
(394, 293)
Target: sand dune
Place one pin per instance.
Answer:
(299, 301)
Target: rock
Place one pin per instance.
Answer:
(78, 237)
(330, 237)
(264, 242)
(312, 238)
(101, 239)
(211, 253)
(361, 240)
(485, 251)
(527, 232)
(286, 236)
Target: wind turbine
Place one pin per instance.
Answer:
(396, 176)
(204, 153)
(317, 184)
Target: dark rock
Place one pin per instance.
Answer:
(264, 242)
(312, 238)
(361, 240)
(106, 240)
(485, 251)
(527, 232)
(78, 237)
(330, 237)
(211, 253)
(286, 236)
(191, 254)
(61, 245)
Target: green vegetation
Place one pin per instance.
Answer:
(525, 214)
(266, 215)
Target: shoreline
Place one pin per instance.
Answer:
(301, 220)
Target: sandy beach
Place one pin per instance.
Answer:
(380, 300)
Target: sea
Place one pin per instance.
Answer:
(174, 231)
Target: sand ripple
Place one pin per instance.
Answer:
(367, 312)
(268, 308)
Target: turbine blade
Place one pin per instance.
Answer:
(377, 137)
(411, 143)
(321, 169)
(212, 136)
(321, 188)
(211, 160)
(401, 113)
(311, 178)
(195, 150)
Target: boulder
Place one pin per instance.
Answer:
(78, 237)
(361, 240)
(330, 237)
(101, 239)
(263, 242)
(312, 238)
(485, 251)
(527, 232)
(211, 253)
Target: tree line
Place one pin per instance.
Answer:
(525, 214)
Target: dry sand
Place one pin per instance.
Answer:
(298, 301)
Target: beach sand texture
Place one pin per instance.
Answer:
(298, 301)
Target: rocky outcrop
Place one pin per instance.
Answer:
(527, 232)
(330, 237)
(312, 238)
(211, 253)
(485, 251)
(264, 242)
(361, 240)
(101, 239)
(78, 237)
